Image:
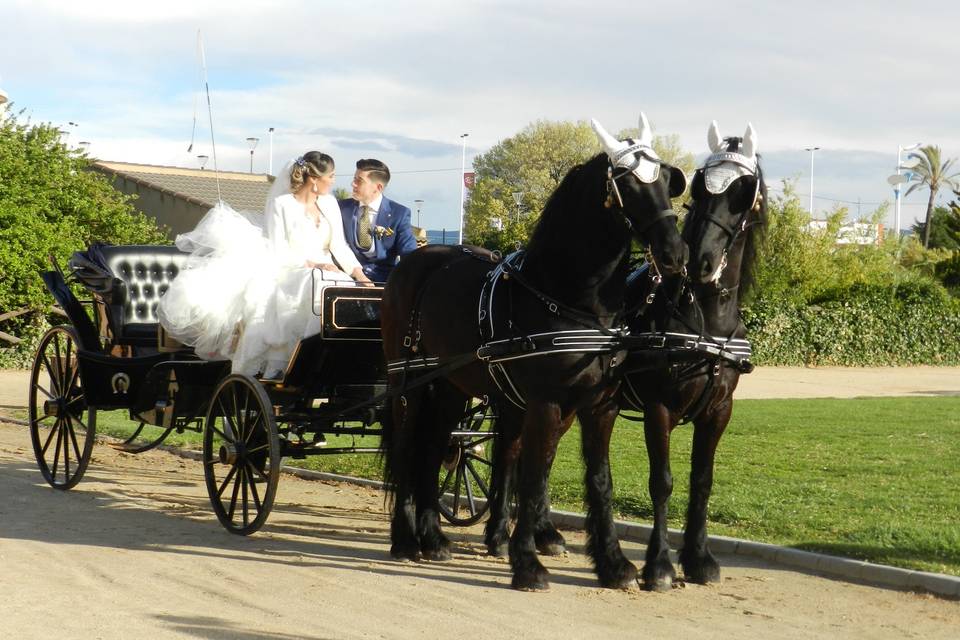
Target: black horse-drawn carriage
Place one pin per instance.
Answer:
(118, 357)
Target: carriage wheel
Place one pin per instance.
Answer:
(62, 426)
(467, 468)
(241, 454)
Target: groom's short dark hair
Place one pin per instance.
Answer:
(378, 171)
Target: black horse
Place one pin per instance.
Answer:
(447, 306)
(724, 225)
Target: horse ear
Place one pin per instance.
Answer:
(678, 182)
(750, 141)
(646, 131)
(610, 144)
(714, 141)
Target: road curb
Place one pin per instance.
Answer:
(832, 566)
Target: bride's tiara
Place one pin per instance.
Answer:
(300, 162)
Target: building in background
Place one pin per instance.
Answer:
(177, 197)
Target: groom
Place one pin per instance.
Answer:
(376, 228)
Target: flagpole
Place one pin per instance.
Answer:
(463, 184)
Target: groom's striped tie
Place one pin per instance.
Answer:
(364, 237)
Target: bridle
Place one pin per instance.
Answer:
(618, 168)
(743, 222)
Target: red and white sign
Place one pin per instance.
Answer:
(469, 179)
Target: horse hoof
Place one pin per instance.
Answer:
(658, 578)
(501, 550)
(703, 572)
(437, 555)
(531, 581)
(622, 578)
(405, 552)
(552, 549)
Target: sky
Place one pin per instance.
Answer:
(402, 81)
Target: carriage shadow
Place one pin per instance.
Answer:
(151, 511)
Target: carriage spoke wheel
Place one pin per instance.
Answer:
(62, 427)
(241, 454)
(467, 468)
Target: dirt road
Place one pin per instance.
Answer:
(135, 551)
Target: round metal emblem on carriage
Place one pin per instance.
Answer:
(120, 382)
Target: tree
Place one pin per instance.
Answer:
(944, 228)
(50, 204)
(533, 163)
(933, 175)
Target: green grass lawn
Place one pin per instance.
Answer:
(874, 479)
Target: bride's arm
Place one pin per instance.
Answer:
(275, 223)
(339, 248)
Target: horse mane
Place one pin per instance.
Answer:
(754, 238)
(578, 186)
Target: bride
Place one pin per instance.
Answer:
(246, 291)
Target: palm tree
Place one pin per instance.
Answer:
(933, 175)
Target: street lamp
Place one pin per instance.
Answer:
(418, 203)
(812, 150)
(202, 159)
(270, 169)
(518, 199)
(897, 179)
(84, 145)
(253, 145)
(463, 185)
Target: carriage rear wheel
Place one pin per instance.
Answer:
(62, 426)
(467, 467)
(241, 454)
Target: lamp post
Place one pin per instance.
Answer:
(418, 203)
(4, 99)
(84, 146)
(253, 145)
(518, 199)
(812, 150)
(270, 165)
(463, 186)
(202, 159)
(897, 179)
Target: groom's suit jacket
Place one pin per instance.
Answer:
(389, 248)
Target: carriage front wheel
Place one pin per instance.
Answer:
(241, 454)
(62, 426)
(467, 467)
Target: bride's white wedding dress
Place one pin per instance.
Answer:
(245, 293)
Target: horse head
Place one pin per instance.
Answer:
(641, 186)
(728, 195)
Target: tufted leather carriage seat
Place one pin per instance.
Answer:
(129, 280)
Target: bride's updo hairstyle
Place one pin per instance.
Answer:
(311, 164)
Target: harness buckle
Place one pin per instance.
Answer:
(716, 368)
(406, 341)
(651, 298)
(552, 307)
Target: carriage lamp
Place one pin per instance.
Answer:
(202, 159)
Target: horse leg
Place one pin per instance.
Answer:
(698, 563)
(399, 467)
(612, 567)
(446, 407)
(548, 540)
(542, 428)
(506, 453)
(658, 571)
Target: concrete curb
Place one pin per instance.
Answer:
(833, 566)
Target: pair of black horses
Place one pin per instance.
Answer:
(573, 285)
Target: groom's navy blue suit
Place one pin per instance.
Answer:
(389, 248)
